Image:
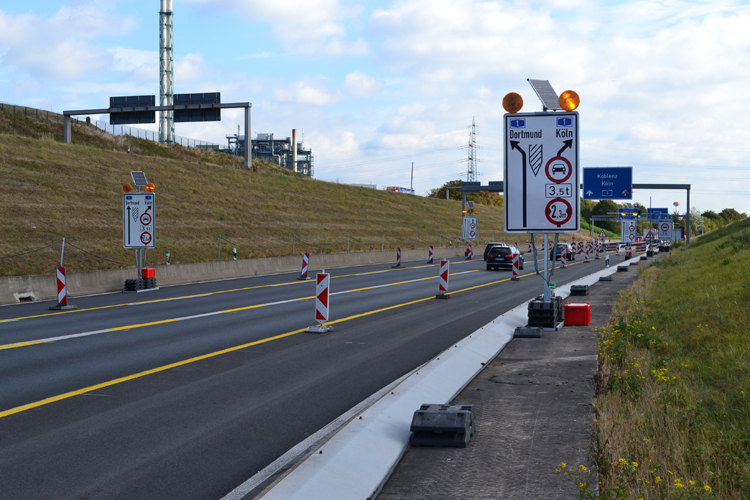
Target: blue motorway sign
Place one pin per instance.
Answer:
(657, 213)
(608, 183)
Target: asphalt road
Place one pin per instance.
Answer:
(188, 391)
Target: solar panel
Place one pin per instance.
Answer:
(546, 93)
(139, 179)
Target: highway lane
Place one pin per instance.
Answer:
(199, 429)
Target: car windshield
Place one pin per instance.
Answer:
(501, 251)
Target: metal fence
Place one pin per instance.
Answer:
(41, 114)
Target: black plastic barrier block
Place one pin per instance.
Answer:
(622, 269)
(134, 285)
(579, 290)
(605, 278)
(442, 425)
(528, 332)
(544, 314)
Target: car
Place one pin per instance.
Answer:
(558, 168)
(502, 256)
(570, 254)
(492, 244)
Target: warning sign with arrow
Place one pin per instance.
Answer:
(138, 220)
(541, 173)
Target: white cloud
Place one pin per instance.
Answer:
(54, 46)
(306, 91)
(360, 84)
(345, 48)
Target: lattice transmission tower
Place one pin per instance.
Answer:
(471, 173)
(166, 72)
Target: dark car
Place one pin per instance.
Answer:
(566, 248)
(492, 244)
(502, 256)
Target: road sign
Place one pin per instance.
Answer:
(657, 213)
(138, 220)
(650, 234)
(608, 183)
(541, 173)
(470, 228)
(629, 234)
(665, 230)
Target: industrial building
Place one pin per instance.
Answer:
(276, 150)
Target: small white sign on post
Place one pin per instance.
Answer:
(665, 230)
(138, 220)
(470, 228)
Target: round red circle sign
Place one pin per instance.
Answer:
(558, 166)
(558, 211)
(146, 219)
(146, 238)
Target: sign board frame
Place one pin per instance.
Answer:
(467, 228)
(666, 230)
(629, 231)
(138, 220)
(608, 183)
(542, 174)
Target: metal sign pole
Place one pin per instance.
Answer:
(546, 268)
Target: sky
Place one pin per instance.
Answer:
(377, 85)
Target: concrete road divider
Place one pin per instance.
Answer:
(14, 289)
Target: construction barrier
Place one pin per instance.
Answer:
(431, 257)
(597, 247)
(322, 289)
(530, 249)
(305, 265)
(562, 258)
(469, 252)
(443, 279)
(516, 259)
(398, 258)
(62, 292)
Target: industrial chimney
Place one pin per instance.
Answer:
(166, 72)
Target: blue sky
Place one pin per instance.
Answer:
(377, 85)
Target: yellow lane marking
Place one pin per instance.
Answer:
(120, 380)
(214, 313)
(207, 294)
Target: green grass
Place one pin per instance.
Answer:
(75, 191)
(587, 226)
(673, 389)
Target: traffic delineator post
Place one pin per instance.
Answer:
(62, 293)
(431, 256)
(322, 289)
(562, 258)
(597, 249)
(516, 259)
(586, 253)
(530, 249)
(305, 265)
(443, 280)
(469, 251)
(398, 258)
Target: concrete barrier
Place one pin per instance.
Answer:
(14, 289)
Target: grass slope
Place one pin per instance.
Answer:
(75, 191)
(673, 404)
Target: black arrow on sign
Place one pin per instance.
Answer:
(128, 225)
(148, 208)
(514, 145)
(567, 144)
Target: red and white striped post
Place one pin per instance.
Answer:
(597, 248)
(305, 265)
(586, 253)
(445, 266)
(469, 252)
(562, 257)
(580, 246)
(516, 259)
(530, 249)
(62, 292)
(398, 258)
(322, 290)
(431, 257)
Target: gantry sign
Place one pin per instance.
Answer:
(191, 109)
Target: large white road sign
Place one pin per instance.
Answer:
(138, 220)
(469, 228)
(541, 173)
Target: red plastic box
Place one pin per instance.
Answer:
(577, 314)
(148, 272)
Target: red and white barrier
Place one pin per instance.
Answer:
(398, 258)
(530, 249)
(62, 292)
(597, 248)
(305, 265)
(562, 258)
(586, 253)
(516, 259)
(431, 259)
(322, 290)
(445, 267)
(469, 252)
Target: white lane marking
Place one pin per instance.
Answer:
(308, 443)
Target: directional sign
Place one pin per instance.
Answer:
(541, 173)
(608, 183)
(470, 228)
(657, 213)
(665, 230)
(629, 234)
(138, 220)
